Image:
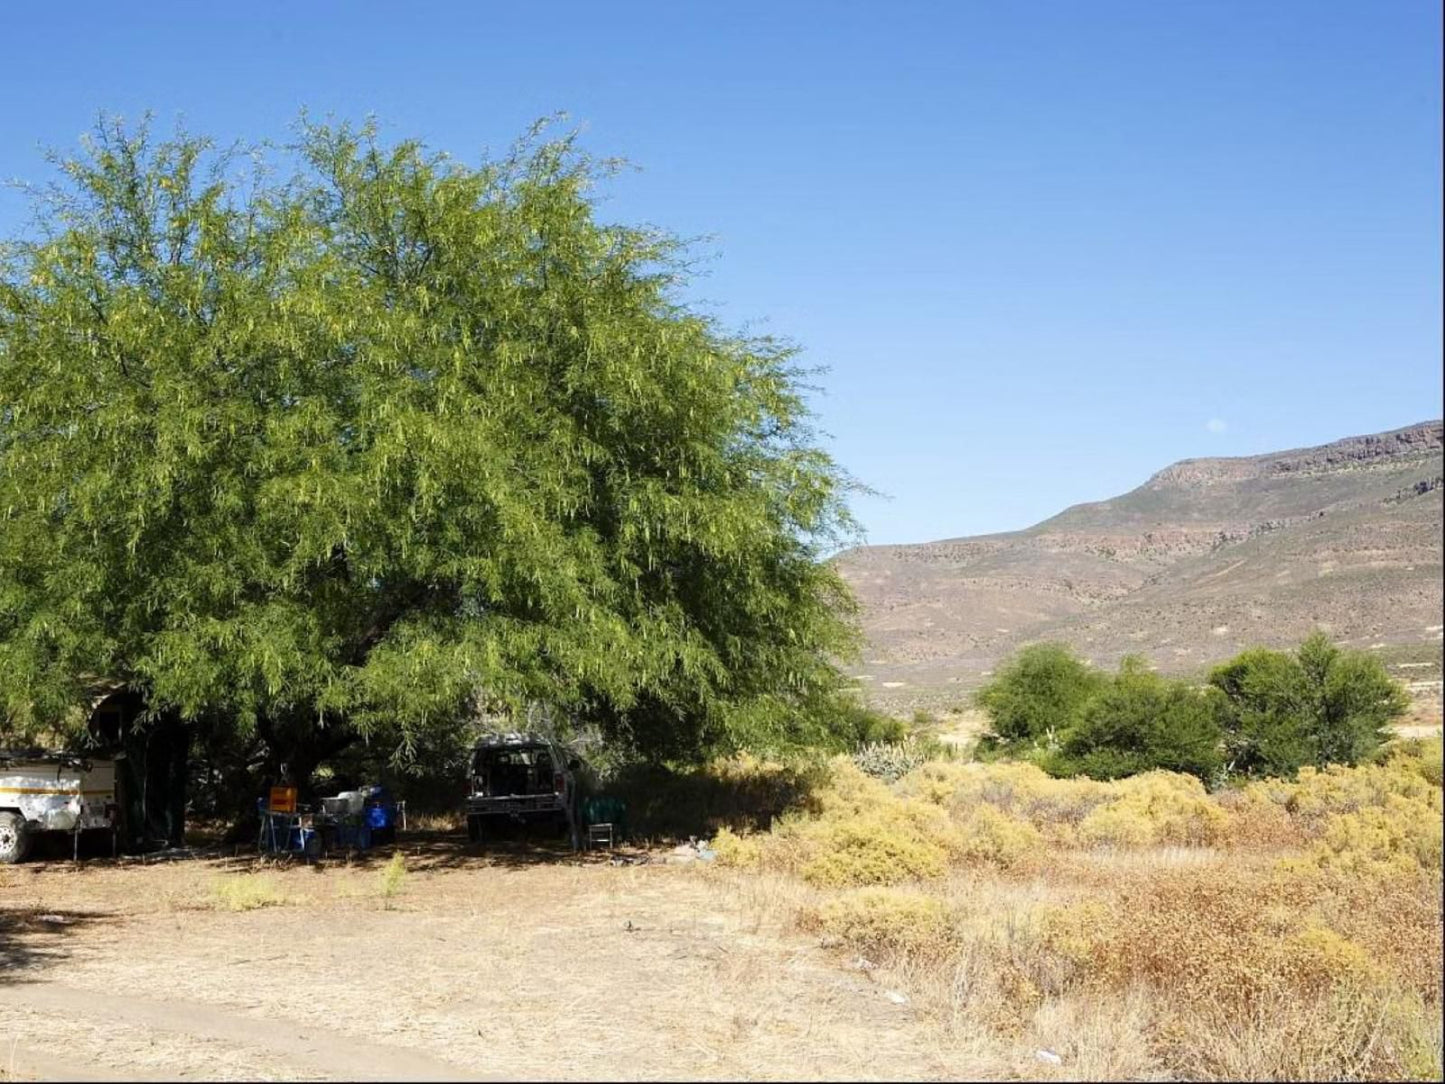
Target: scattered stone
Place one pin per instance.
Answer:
(1048, 1056)
(895, 997)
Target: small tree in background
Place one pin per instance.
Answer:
(1041, 690)
(1141, 722)
(1320, 705)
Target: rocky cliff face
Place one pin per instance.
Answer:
(1373, 450)
(1208, 556)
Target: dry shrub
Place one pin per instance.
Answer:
(1283, 929)
(882, 848)
(1156, 808)
(863, 834)
(992, 836)
(743, 852)
(885, 921)
(1023, 790)
(1402, 835)
(246, 892)
(1317, 795)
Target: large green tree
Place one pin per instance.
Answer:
(332, 439)
(1319, 705)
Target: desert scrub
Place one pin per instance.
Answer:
(246, 892)
(1399, 836)
(1020, 789)
(994, 837)
(1156, 808)
(1419, 755)
(861, 832)
(885, 920)
(1316, 795)
(878, 849)
(1281, 929)
(732, 849)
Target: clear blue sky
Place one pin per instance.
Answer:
(1045, 248)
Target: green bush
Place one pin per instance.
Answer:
(858, 725)
(1320, 705)
(1042, 689)
(1140, 722)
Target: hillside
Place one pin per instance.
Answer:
(1206, 557)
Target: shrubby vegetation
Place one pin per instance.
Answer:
(1141, 927)
(1262, 713)
(1136, 722)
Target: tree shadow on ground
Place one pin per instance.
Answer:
(33, 939)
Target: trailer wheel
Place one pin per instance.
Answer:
(474, 829)
(14, 838)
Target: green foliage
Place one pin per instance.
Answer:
(857, 725)
(1318, 706)
(1140, 722)
(352, 450)
(1040, 691)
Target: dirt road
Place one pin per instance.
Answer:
(520, 965)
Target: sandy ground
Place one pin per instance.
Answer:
(515, 964)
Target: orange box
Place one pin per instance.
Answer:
(283, 800)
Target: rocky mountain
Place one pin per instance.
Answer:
(1205, 558)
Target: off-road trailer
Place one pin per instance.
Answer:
(44, 791)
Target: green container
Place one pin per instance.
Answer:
(602, 809)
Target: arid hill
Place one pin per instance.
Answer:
(1205, 558)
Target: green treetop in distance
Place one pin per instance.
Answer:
(342, 451)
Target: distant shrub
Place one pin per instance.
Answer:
(1040, 690)
(859, 724)
(246, 892)
(884, 920)
(1317, 706)
(1141, 722)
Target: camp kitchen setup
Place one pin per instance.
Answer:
(354, 820)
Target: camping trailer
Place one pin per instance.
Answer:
(54, 792)
(125, 776)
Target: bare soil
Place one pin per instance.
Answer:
(521, 963)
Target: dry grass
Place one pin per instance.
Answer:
(518, 963)
(1141, 928)
(246, 892)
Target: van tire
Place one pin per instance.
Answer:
(14, 838)
(474, 829)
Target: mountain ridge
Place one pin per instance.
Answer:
(1206, 556)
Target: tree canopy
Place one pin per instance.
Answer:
(345, 434)
(1319, 705)
(1037, 693)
